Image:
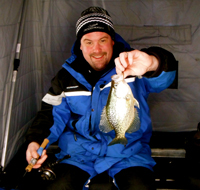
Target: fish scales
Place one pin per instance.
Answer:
(120, 113)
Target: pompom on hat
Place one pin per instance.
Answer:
(94, 19)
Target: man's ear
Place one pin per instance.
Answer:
(80, 47)
(113, 42)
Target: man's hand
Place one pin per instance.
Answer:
(31, 152)
(135, 63)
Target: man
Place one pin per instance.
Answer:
(72, 109)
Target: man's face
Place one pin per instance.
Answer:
(97, 49)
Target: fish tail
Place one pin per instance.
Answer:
(122, 140)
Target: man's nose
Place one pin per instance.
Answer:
(97, 47)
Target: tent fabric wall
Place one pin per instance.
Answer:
(10, 14)
(49, 34)
(28, 86)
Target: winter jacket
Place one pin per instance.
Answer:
(72, 108)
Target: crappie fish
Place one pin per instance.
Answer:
(120, 113)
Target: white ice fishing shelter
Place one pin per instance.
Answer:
(40, 33)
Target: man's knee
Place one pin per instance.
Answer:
(135, 178)
(102, 181)
(105, 186)
(68, 177)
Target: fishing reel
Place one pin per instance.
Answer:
(47, 171)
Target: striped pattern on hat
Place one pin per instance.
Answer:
(94, 19)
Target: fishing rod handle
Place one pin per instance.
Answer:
(39, 151)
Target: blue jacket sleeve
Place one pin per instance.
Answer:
(167, 64)
(166, 76)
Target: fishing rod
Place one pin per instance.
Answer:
(46, 171)
(14, 76)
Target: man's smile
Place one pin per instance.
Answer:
(98, 56)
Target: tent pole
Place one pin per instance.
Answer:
(14, 76)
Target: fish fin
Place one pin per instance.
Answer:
(104, 125)
(123, 141)
(136, 123)
(136, 103)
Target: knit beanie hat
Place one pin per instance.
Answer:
(94, 19)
